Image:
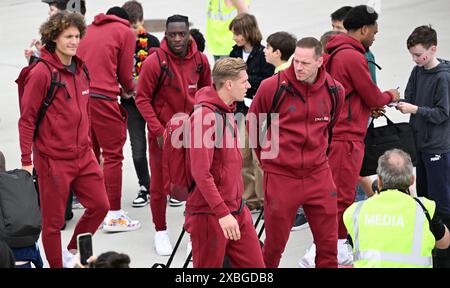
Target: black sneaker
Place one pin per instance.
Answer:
(300, 222)
(142, 198)
(174, 202)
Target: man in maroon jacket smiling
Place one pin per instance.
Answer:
(62, 151)
(108, 50)
(185, 71)
(216, 216)
(300, 174)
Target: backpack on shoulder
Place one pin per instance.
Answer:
(177, 178)
(55, 84)
(20, 216)
(283, 89)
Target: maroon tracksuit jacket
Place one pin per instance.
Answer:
(108, 49)
(299, 174)
(219, 188)
(350, 67)
(176, 94)
(62, 152)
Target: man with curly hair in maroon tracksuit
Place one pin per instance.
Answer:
(62, 150)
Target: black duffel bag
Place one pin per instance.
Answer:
(380, 139)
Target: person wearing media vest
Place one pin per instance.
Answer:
(297, 173)
(348, 64)
(62, 151)
(216, 217)
(108, 50)
(185, 70)
(393, 229)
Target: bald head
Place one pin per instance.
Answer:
(395, 170)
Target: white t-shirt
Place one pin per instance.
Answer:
(245, 55)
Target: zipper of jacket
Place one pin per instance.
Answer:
(79, 109)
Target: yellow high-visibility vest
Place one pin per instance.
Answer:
(390, 230)
(219, 39)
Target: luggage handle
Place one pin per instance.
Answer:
(389, 122)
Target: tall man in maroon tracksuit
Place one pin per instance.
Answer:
(299, 173)
(349, 66)
(62, 151)
(185, 71)
(216, 216)
(108, 50)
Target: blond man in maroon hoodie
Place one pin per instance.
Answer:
(159, 96)
(216, 216)
(299, 173)
(108, 50)
(62, 150)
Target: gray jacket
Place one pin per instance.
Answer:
(430, 91)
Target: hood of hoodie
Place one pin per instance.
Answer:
(444, 66)
(53, 59)
(192, 49)
(341, 41)
(102, 19)
(208, 95)
(301, 87)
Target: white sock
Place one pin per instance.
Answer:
(341, 242)
(114, 214)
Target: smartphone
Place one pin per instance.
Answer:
(84, 245)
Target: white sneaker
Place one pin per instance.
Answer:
(189, 250)
(68, 259)
(122, 224)
(345, 255)
(162, 243)
(309, 259)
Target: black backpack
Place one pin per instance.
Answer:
(20, 216)
(281, 93)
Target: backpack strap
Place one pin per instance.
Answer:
(51, 92)
(334, 96)
(280, 93)
(165, 72)
(425, 211)
(198, 64)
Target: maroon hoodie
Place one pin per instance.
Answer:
(64, 131)
(177, 93)
(303, 126)
(216, 171)
(108, 50)
(350, 67)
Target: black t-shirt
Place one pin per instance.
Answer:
(72, 67)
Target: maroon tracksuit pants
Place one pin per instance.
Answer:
(158, 201)
(209, 245)
(109, 133)
(345, 162)
(84, 176)
(283, 196)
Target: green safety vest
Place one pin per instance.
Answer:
(390, 230)
(219, 39)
